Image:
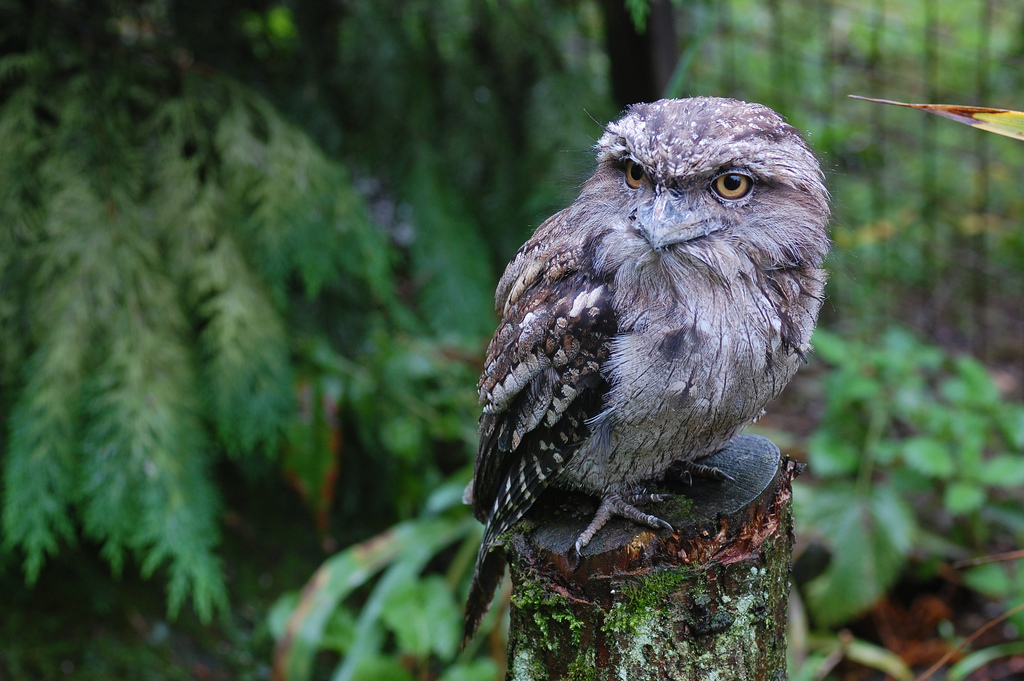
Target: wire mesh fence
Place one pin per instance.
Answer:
(928, 213)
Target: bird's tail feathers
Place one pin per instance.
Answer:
(490, 568)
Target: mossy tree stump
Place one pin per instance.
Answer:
(706, 601)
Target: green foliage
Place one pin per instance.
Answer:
(870, 536)
(979, 659)
(424, 616)
(156, 224)
(827, 651)
(178, 261)
(421, 612)
(412, 408)
(638, 11)
(184, 272)
(914, 444)
(468, 109)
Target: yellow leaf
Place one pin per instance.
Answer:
(1000, 121)
(1009, 123)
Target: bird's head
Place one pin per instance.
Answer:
(689, 175)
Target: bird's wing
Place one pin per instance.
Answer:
(542, 380)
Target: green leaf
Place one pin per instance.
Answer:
(832, 347)
(979, 659)
(830, 455)
(963, 497)
(862, 652)
(810, 670)
(928, 456)
(409, 545)
(332, 582)
(280, 611)
(990, 579)
(447, 495)
(404, 569)
(403, 436)
(886, 451)
(1002, 470)
(972, 386)
(1012, 422)
(970, 433)
(638, 11)
(877, 657)
(341, 631)
(381, 668)
(1007, 513)
(870, 537)
(480, 669)
(424, 617)
(281, 24)
(852, 387)
(314, 447)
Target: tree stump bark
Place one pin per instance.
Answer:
(706, 601)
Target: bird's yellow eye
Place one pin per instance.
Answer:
(732, 186)
(634, 173)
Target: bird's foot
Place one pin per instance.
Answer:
(622, 505)
(686, 471)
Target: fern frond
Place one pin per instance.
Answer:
(40, 467)
(151, 243)
(143, 484)
(246, 369)
(19, 65)
(456, 288)
(41, 464)
(304, 217)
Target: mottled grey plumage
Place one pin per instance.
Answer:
(653, 318)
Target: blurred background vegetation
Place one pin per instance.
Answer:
(247, 257)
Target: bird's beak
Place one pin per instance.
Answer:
(671, 219)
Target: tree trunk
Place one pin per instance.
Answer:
(707, 601)
(641, 62)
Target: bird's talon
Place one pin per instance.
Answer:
(574, 557)
(692, 469)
